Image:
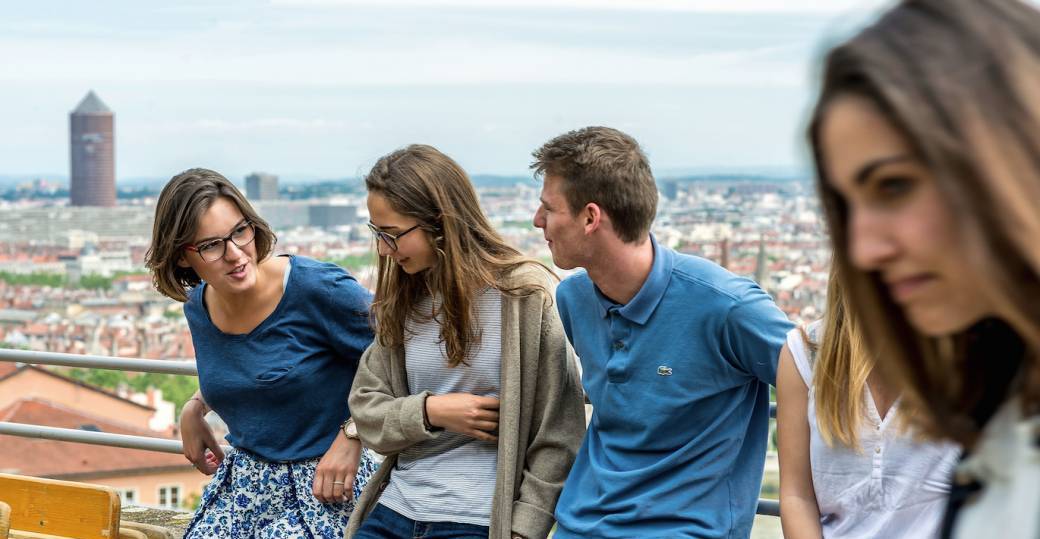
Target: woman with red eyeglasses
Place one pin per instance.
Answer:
(277, 342)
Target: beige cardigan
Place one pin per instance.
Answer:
(541, 414)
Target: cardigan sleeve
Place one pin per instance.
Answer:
(386, 423)
(557, 426)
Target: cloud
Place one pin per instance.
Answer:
(269, 125)
(445, 57)
(316, 86)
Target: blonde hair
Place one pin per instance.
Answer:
(840, 371)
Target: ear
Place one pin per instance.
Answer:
(181, 262)
(592, 217)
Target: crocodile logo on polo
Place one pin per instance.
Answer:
(664, 370)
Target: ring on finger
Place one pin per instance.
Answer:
(338, 483)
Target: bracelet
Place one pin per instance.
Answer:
(426, 417)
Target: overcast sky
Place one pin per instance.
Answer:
(322, 88)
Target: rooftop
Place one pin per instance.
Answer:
(92, 104)
(66, 460)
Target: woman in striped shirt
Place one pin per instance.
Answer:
(470, 388)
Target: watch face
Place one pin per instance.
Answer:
(351, 429)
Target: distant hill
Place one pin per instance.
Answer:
(8, 181)
(732, 178)
(493, 180)
(771, 173)
(297, 183)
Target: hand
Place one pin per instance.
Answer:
(334, 477)
(464, 413)
(200, 446)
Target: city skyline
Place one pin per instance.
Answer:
(322, 88)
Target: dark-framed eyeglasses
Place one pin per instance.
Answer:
(214, 249)
(389, 239)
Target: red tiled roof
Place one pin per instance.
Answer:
(91, 387)
(7, 368)
(48, 458)
(37, 329)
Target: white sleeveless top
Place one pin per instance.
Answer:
(893, 487)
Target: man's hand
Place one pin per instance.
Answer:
(464, 413)
(334, 477)
(200, 446)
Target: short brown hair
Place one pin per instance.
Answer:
(177, 213)
(606, 167)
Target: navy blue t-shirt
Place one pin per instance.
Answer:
(282, 388)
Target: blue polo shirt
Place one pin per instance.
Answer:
(679, 383)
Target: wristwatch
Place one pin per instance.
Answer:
(350, 429)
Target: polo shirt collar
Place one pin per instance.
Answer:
(640, 307)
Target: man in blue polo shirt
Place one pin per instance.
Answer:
(677, 355)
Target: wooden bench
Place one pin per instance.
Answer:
(47, 508)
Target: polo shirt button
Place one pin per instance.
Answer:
(618, 345)
(877, 449)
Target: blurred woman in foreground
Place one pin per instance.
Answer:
(926, 138)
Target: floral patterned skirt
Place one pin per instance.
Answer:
(252, 498)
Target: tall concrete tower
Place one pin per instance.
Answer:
(92, 154)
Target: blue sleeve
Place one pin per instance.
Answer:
(753, 334)
(347, 323)
(561, 307)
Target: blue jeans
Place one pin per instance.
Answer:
(385, 523)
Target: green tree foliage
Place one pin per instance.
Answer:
(33, 279)
(95, 282)
(176, 388)
(99, 377)
(55, 280)
(354, 263)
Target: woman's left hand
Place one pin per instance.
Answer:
(334, 478)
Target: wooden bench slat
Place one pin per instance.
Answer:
(49, 507)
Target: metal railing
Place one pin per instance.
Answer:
(185, 368)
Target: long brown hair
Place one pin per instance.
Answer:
(840, 371)
(177, 214)
(423, 183)
(961, 79)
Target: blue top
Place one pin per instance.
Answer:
(282, 388)
(679, 383)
